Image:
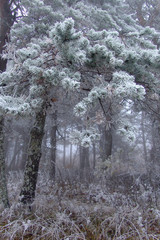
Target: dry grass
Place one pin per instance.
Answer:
(75, 211)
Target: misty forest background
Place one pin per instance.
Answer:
(80, 119)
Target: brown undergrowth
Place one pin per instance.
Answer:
(64, 211)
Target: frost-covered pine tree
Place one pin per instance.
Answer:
(75, 45)
(6, 21)
(147, 13)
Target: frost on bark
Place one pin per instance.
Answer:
(3, 184)
(27, 194)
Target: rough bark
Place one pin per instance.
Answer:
(3, 184)
(27, 194)
(6, 21)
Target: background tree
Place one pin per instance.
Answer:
(147, 13)
(7, 17)
(8, 13)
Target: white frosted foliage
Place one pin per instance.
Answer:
(84, 138)
(68, 83)
(14, 106)
(126, 130)
(125, 87)
(80, 109)
(80, 46)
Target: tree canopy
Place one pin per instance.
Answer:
(92, 46)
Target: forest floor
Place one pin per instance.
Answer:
(74, 211)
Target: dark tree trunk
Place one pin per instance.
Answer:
(53, 146)
(106, 143)
(32, 165)
(84, 161)
(6, 21)
(3, 184)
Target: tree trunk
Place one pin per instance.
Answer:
(84, 161)
(71, 157)
(34, 154)
(106, 143)
(144, 142)
(53, 146)
(81, 161)
(3, 184)
(64, 149)
(155, 151)
(6, 21)
(86, 154)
